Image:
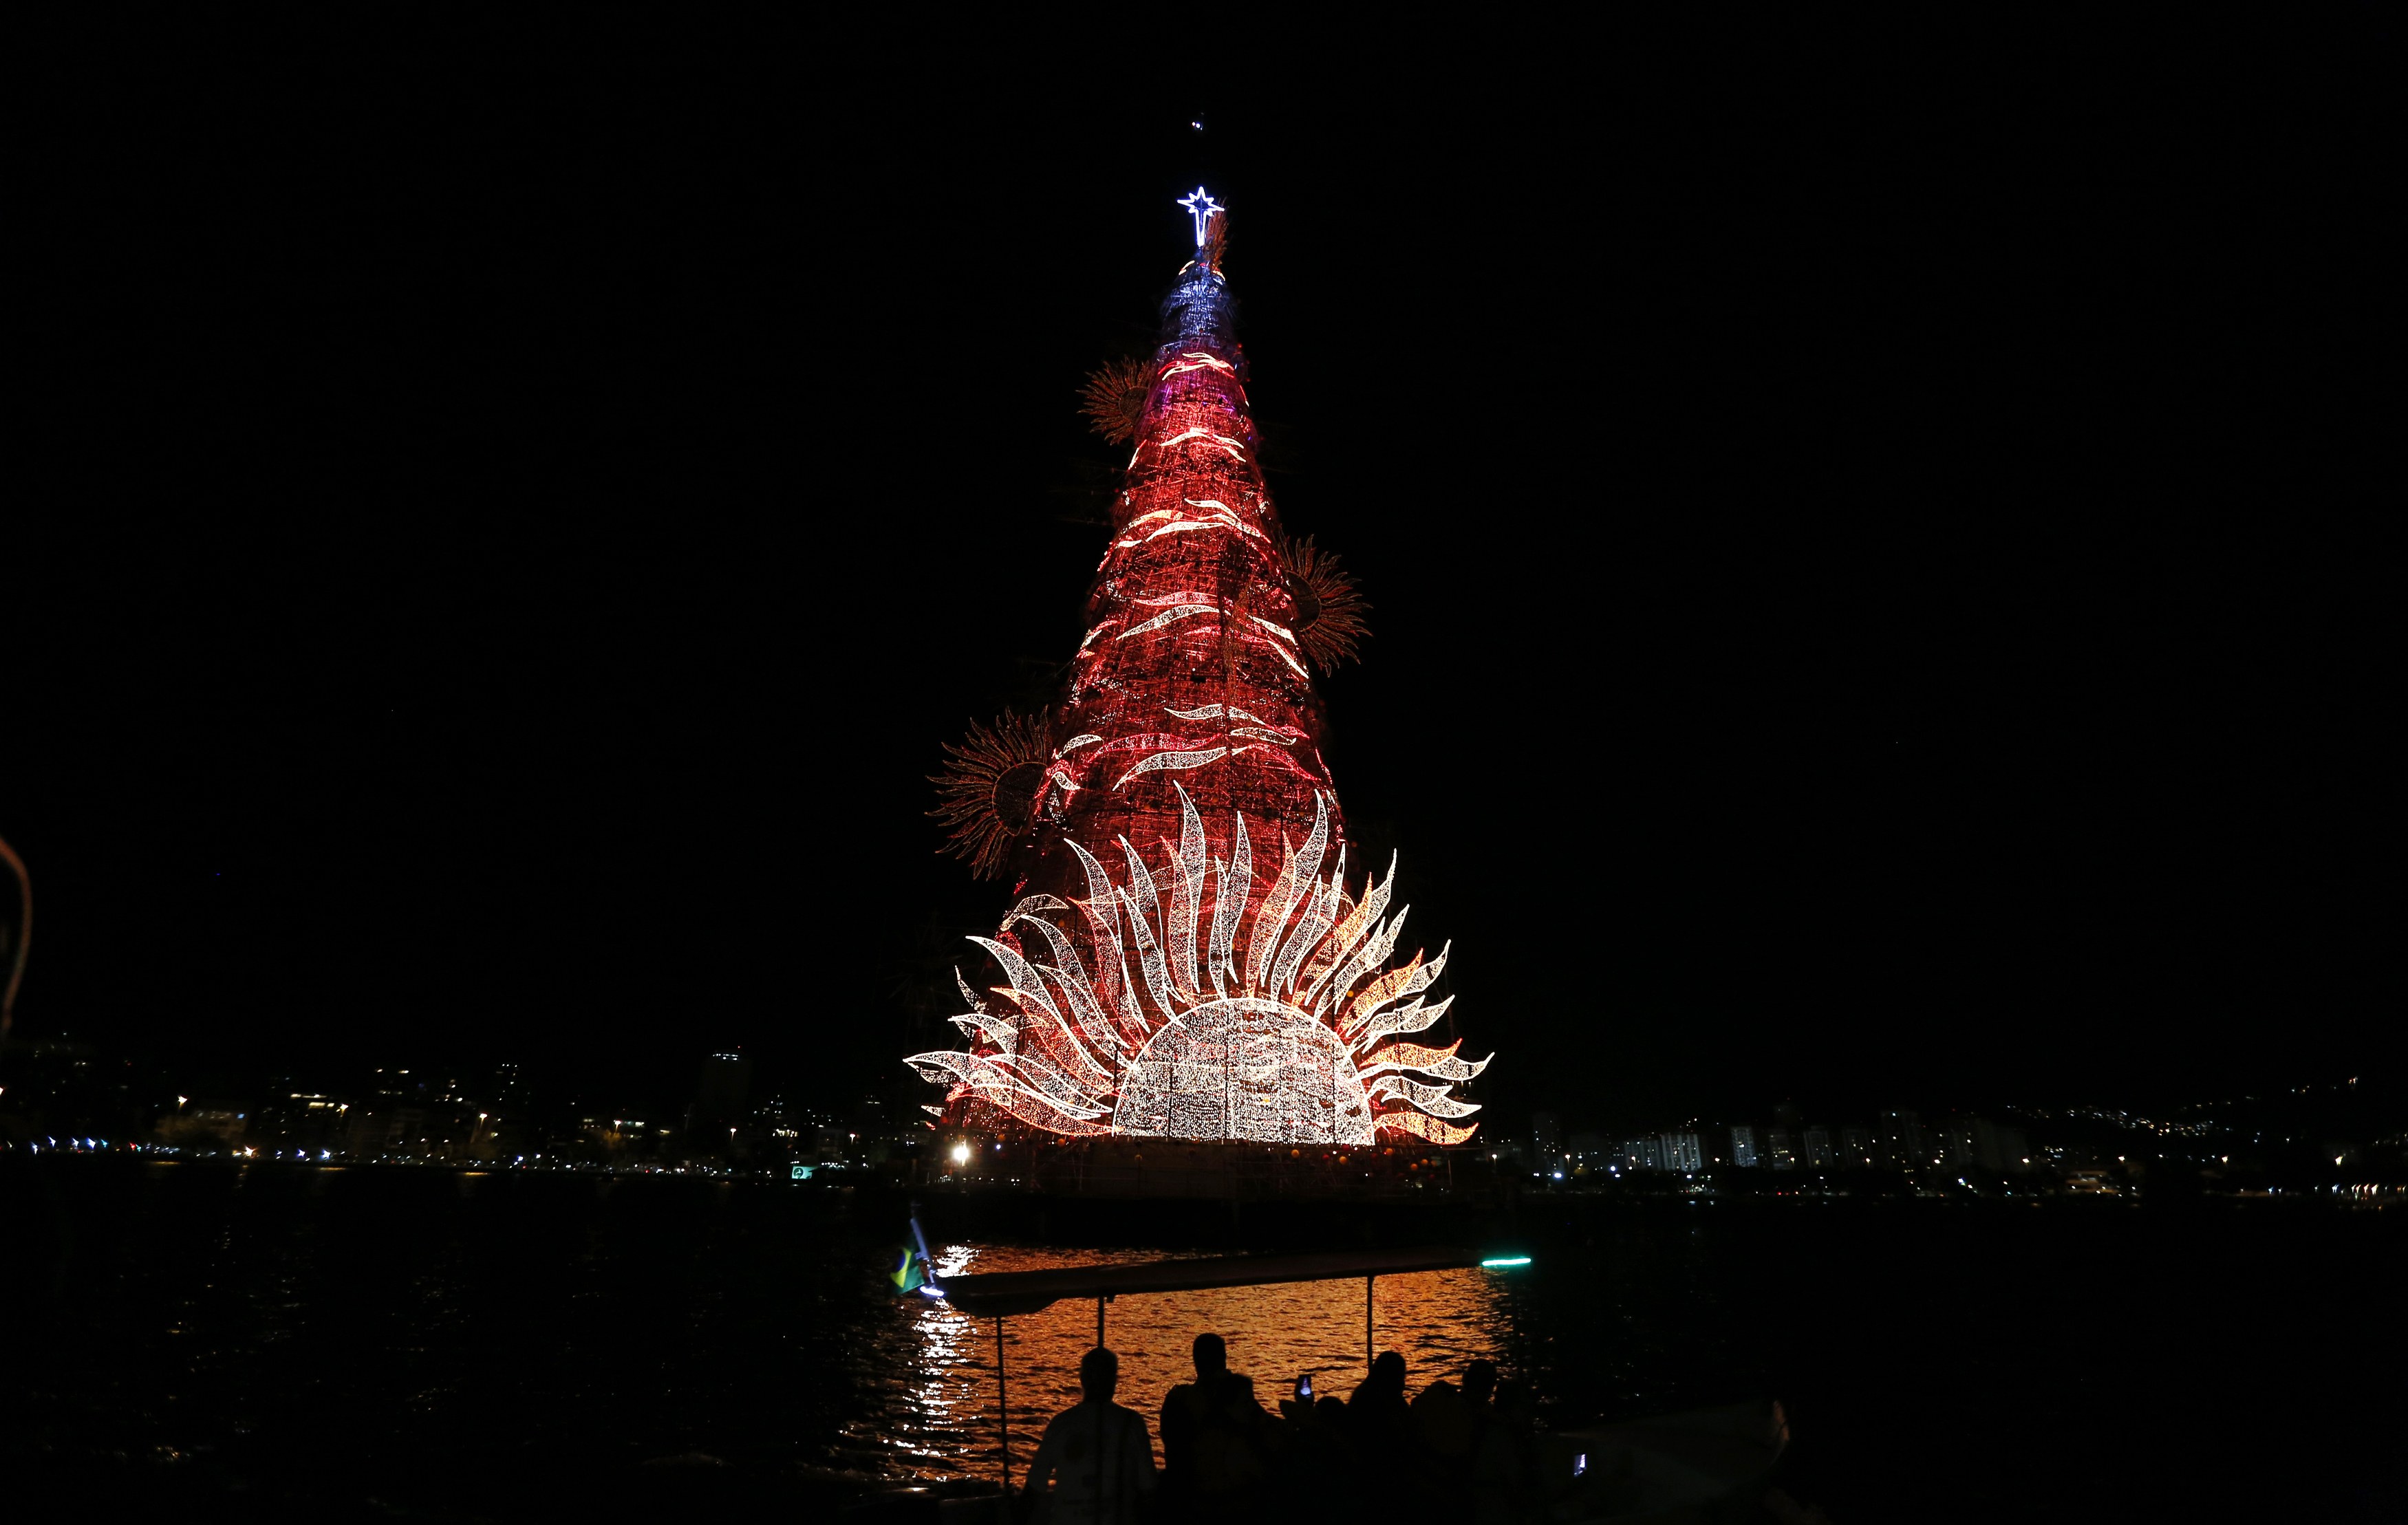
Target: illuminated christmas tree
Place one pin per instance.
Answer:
(1186, 958)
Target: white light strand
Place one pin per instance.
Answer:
(1185, 611)
(1175, 760)
(1187, 892)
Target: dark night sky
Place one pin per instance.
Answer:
(1868, 603)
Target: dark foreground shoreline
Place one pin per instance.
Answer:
(420, 1343)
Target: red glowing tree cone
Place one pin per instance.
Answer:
(1186, 958)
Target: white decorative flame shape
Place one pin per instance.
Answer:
(1287, 1040)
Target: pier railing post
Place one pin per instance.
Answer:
(1366, 1323)
(1003, 1410)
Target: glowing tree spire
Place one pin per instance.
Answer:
(1186, 958)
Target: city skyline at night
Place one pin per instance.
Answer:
(717, 804)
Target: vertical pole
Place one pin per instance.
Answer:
(1003, 1408)
(1366, 1324)
(24, 939)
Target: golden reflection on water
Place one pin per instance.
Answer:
(942, 1390)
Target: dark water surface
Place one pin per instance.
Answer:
(457, 1345)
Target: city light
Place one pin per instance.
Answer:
(961, 1154)
(1505, 1261)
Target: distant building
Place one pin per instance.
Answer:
(1546, 1141)
(1743, 1146)
(1899, 1141)
(2013, 1152)
(304, 1120)
(1997, 1147)
(1681, 1152)
(1816, 1142)
(1855, 1148)
(833, 1144)
(725, 1083)
(1780, 1148)
(1588, 1151)
(1957, 1144)
(1643, 1153)
(716, 1121)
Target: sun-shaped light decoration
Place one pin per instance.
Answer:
(1287, 1028)
(1329, 608)
(987, 793)
(1113, 398)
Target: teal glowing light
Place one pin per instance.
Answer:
(1505, 1260)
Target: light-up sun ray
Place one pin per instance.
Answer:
(1196, 360)
(1214, 712)
(1373, 952)
(1070, 976)
(1200, 434)
(1423, 1059)
(969, 997)
(1430, 1099)
(1182, 595)
(1171, 616)
(998, 1087)
(1175, 760)
(1405, 1121)
(1416, 1017)
(1229, 903)
(978, 1024)
(1347, 937)
(1187, 892)
(1322, 910)
(1149, 960)
(1157, 1055)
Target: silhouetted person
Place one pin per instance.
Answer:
(1377, 1419)
(1442, 1423)
(1315, 1465)
(1479, 1385)
(1507, 1480)
(1096, 1456)
(1215, 1436)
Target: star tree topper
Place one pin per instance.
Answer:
(1200, 207)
